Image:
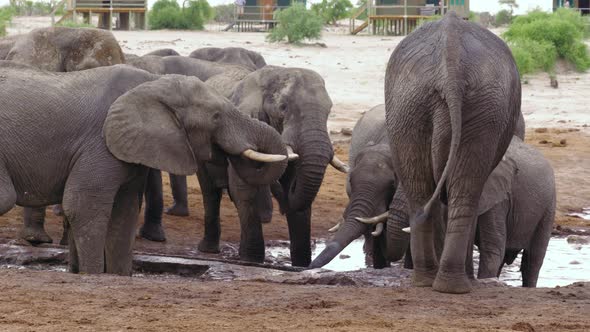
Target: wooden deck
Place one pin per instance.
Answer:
(396, 25)
(125, 11)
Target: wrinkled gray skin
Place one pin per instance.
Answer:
(222, 77)
(452, 96)
(295, 102)
(62, 49)
(515, 212)
(112, 123)
(163, 52)
(204, 70)
(230, 55)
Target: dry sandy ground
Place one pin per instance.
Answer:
(353, 68)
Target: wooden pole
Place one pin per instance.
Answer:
(405, 17)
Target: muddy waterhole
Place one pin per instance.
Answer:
(564, 263)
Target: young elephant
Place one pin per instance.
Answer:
(230, 55)
(62, 49)
(515, 213)
(111, 124)
(371, 186)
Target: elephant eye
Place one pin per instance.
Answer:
(283, 107)
(216, 116)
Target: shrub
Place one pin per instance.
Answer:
(532, 56)
(562, 31)
(296, 24)
(5, 17)
(224, 13)
(503, 17)
(167, 14)
(332, 10)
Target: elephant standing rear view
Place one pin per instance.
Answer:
(452, 96)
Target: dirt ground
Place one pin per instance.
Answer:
(53, 301)
(353, 67)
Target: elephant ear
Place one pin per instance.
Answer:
(498, 187)
(142, 127)
(247, 96)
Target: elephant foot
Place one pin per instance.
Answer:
(252, 258)
(210, 247)
(179, 210)
(423, 279)
(152, 232)
(34, 235)
(456, 283)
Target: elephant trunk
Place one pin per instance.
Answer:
(240, 133)
(397, 239)
(362, 204)
(315, 152)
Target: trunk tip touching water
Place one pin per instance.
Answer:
(332, 249)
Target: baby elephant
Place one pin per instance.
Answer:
(516, 212)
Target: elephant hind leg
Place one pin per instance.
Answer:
(122, 228)
(88, 202)
(533, 256)
(33, 229)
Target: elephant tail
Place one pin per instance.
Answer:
(452, 92)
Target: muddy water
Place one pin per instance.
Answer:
(564, 263)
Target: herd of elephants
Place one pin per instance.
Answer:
(441, 166)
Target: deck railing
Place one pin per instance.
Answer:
(106, 4)
(354, 16)
(258, 13)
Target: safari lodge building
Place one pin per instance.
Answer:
(122, 14)
(582, 6)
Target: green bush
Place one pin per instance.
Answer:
(503, 17)
(167, 14)
(532, 56)
(296, 24)
(224, 13)
(5, 17)
(332, 10)
(563, 30)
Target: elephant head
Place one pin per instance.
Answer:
(373, 191)
(64, 49)
(295, 102)
(175, 121)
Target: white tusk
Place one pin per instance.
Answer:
(263, 157)
(406, 229)
(374, 220)
(378, 230)
(292, 155)
(339, 165)
(335, 228)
